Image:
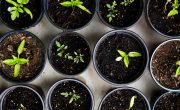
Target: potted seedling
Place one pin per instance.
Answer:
(69, 94)
(120, 57)
(165, 65)
(164, 16)
(22, 56)
(124, 99)
(120, 14)
(21, 14)
(70, 14)
(69, 53)
(21, 98)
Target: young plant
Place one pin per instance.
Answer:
(112, 11)
(17, 61)
(22, 107)
(175, 7)
(18, 8)
(131, 104)
(75, 3)
(61, 48)
(178, 69)
(126, 2)
(125, 57)
(73, 96)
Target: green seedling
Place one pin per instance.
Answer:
(18, 7)
(22, 107)
(61, 48)
(178, 69)
(73, 95)
(112, 11)
(127, 2)
(75, 3)
(17, 61)
(175, 6)
(131, 104)
(125, 57)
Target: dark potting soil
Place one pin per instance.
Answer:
(164, 64)
(120, 100)
(59, 102)
(158, 17)
(24, 96)
(33, 51)
(74, 43)
(169, 101)
(125, 16)
(24, 19)
(116, 71)
(70, 17)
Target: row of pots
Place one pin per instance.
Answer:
(62, 96)
(73, 18)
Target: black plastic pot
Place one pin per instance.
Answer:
(43, 52)
(74, 81)
(117, 35)
(8, 21)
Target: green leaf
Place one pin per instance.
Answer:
(173, 12)
(21, 47)
(132, 102)
(65, 94)
(19, 1)
(22, 61)
(25, 2)
(71, 100)
(66, 4)
(84, 8)
(20, 10)
(58, 44)
(76, 3)
(12, 9)
(9, 62)
(126, 61)
(122, 53)
(178, 62)
(134, 54)
(17, 70)
(14, 57)
(14, 15)
(28, 12)
(108, 5)
(12, 2)
(177, 71)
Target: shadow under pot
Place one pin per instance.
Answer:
(163, 17)
(21, 14)
(22, 56)
(120, 57)
(124, 99)
(69, 53)
(120, 14)
(69, 94)
(70, 14)
(165, 65)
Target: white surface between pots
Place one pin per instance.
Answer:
(45, 31)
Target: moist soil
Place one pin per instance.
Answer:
(59, 102)
(24, 96)
(70, 17)
(164, 64)
(115, 71)
(120, 100)
(158, 17)
(169, 101)
(32, 50)
(24, 19)
(125, 16)
(74, 43)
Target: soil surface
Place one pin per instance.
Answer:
(24, 96)
(33, 51)
(164, 64)
(74, 43)
(24, 19)
(59, 102)
(70, 17)
(158, 17)
(115, 71)
(120, 100)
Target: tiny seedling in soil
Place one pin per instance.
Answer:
(178, 69)
(125, 57)
(126, 2)
(73, 96)
(131, 104)
(75, 3)
(18, 8)
(17, 61)
(175, 7)
(112, 11)
(22, 107)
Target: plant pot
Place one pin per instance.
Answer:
(34, 52)
(21, 97)
(168, 101)
(159, 20)
(73, 43)
(163, 65)
(56, 101)
(120, 98)
(106, 53)
(124, 16)
(69, 18)
(24, 21)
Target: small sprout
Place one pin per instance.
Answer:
(126, 2)
(61, 48)
(178, 69)
(78, 58)
(73, 95)
(22, 107)
(125, 57)
(77, 3)
(112, 11)
(16, 61)
(131, 104)
(175, 7)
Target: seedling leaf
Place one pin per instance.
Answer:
(134, 54)
(84, 8)
(16, 70)
(178, 72)
(28, 12)
(126, 61)
(178, 62)
(132, 102)
(122, 53)
(21, 47)
(9, 62)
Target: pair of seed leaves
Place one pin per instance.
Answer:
(73, 96)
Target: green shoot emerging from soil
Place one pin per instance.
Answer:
(126, 2)
(18, 8)
(16, 61)
(112, 11)
(22, 107)
(75, 3)
(131, 104)
(178, 69)
(61, 48)
(125, 57)
(73, 96)
(175, 7)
